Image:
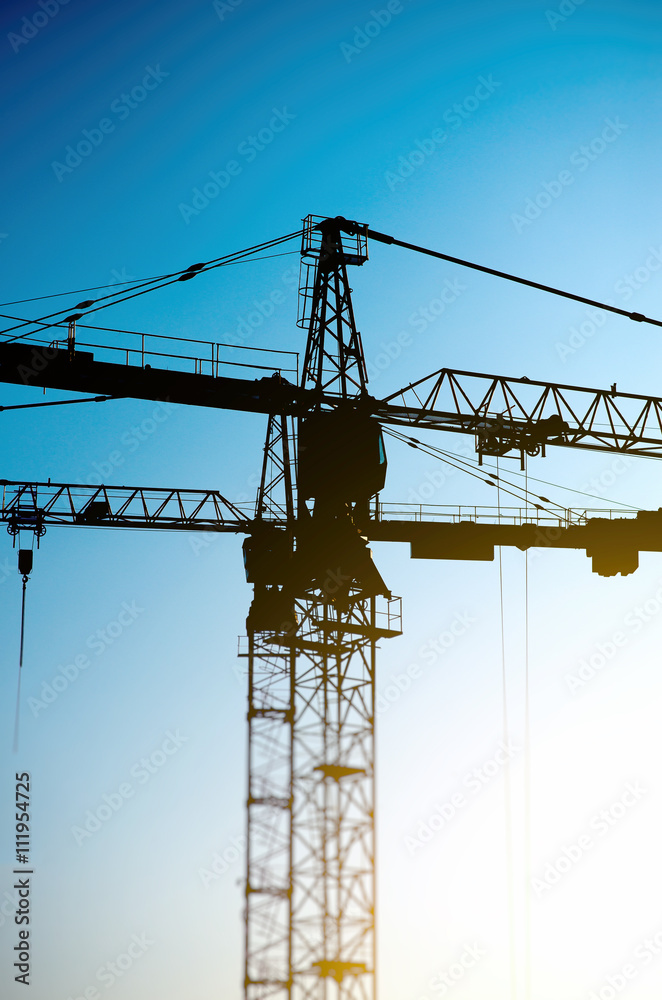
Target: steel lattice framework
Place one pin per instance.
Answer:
(520, 413)
(271, 708)
(334, 361)
(317, 612)
(310, 929)
(119, 507)
(310, 883)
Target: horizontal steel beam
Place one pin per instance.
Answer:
(26, 506)
(612, 543)
(507, 414)
(503, 414)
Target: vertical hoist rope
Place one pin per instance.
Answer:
(527, 792)
(20, 665)
(20, 659)
(506, 780)
(527, 774)
(16, 713)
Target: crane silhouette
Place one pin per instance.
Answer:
(320, 605)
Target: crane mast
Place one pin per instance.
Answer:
(312, 633)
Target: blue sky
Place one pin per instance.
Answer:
(520, 135)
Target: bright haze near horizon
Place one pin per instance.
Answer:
(143, 138)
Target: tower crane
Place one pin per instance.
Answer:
(320, 604)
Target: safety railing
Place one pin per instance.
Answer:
(563, 517)
(203, 357)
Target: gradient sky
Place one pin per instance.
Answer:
(501, 98)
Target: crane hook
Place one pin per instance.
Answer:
(25, 568)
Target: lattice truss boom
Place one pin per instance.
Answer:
(506, 413)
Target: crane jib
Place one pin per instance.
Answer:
(496, 410)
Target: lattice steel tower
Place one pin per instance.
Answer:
(319, 608)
